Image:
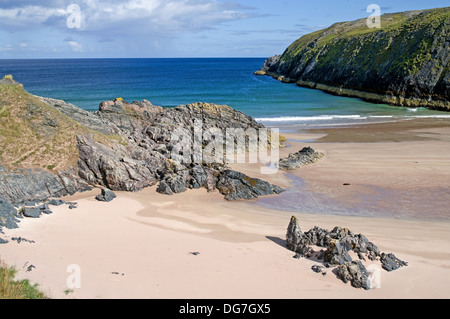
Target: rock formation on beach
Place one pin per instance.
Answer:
(338, 244)
(303, 157)
(50, 148)
(404, 63)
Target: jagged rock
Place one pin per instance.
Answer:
(106, 195)
(337, 253)
(164, 188)
(294, 234)
(338, 243)
(390, 262)
(295, 239)
(173, 184)
(235, 186)
(7, 214)
(303, 157)
(37, 185)
(318, 236)
(354, 272)
(8, 217)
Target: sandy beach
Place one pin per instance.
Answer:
(141, 245)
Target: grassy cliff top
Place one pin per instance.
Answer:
(33, 134)
(391, 22)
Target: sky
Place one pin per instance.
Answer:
(172, 28)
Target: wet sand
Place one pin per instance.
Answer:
(141, 245)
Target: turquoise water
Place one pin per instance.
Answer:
(172, 82)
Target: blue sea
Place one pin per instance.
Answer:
(173, 82)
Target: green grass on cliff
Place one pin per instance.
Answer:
(394, 24)
(35, 135)
(405, 62)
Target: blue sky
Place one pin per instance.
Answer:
(173, 28)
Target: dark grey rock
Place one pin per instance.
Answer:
(354, 272)
(318, 236)
(106, 195)
(317, 269)
(337, 254)
(164, 188)
(235, 186)
(22, 185)
(8, 215)
(338, 243)
(21, 239)
(390, 262)
(294, 234)
(56, 202)
(30, 268)
(31, 212)
(303, 157)
(296, 240)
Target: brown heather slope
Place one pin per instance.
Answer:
(34, 135)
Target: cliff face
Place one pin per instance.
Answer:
(404, 63)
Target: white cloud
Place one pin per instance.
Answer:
(75, 46)
(29, 16)
(137, 15)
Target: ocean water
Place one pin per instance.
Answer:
(173, 82)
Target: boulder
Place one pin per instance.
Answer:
(235, 186)
(56, 202)
(31, 212)
(106, 195)
(303, 157)
(390, 262)
(354, 272)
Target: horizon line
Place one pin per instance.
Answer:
(255, 57)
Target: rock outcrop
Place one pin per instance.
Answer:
(62, 149)
(404, 63)
(303, 157)
(339, 243)
(235, 186)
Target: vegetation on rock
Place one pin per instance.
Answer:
(404, 63)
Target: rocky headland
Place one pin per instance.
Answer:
(403, 63)
(50, 148)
